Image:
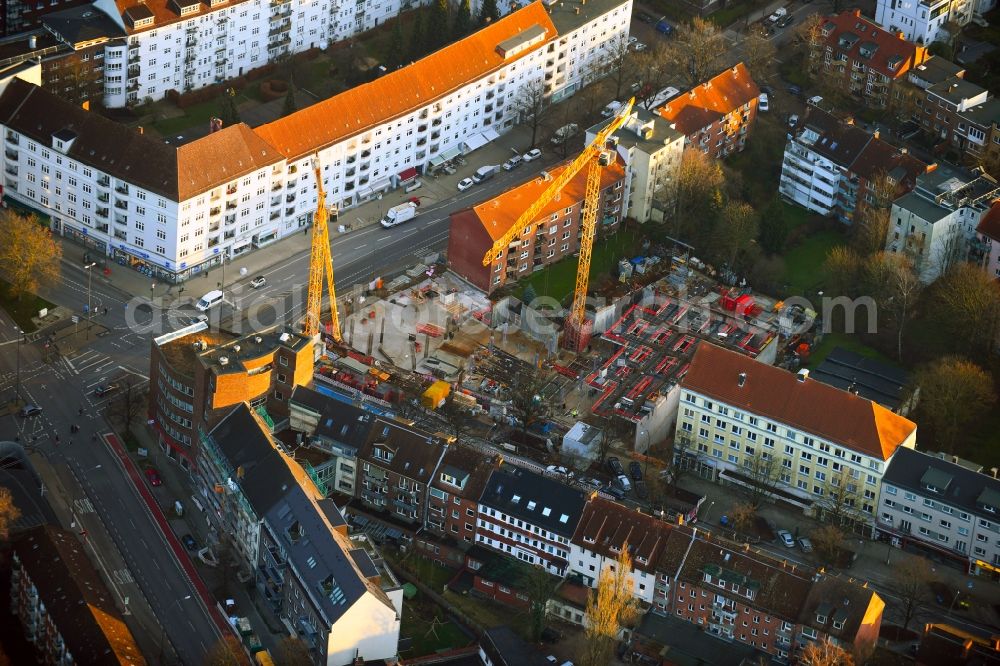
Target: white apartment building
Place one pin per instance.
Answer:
(651, 150)
(923, 21)
(178, 211)
(743, 416)
(935, 224)
(945, 504)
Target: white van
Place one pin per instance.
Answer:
(209, 300)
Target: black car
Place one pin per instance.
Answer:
(646, 18)
(635, 471)
(189, 542)
(615, 466)
(641, 491)
(105, 389)
(615, 491)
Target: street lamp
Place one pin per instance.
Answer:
(163, 631)
(88, 267)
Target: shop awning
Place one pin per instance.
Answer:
(406, 175)
(372, 188)
(441, 158)
(475, 142)
(491, 135)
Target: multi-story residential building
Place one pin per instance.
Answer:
(18, 16)
(717, 115)
(181, 210)
(947, 644)
(530, 516)
(197, 373)
(555, 234)
(939, 502)
(935, 224)
(604, 529)
(864, 60)
(651, 150)
(986, 248)
(66, 610)
(831, 167)
(453, 497)
(923, 21)
(75, 71)
(335, 592)
(395, 465)
(943, 108)
(814, 444)
(933, 71)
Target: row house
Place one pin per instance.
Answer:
(936, 224)
(651, 150)
(553, 235)
(818, 445)
(395, 465)
(530, 517)
(716, 116)
(197, 374)
(986, 248)
(336, 593)
(65, 609)
(924, 21)
(944, 504)
(832, 167)
(864, 60)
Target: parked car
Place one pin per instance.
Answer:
(646, 18)
(805, 544)
(513, 163)
(559, 469)
(635, 470)
(641, 491)
(153, 477)
(793, 120)
(615, 466)
(532, 154)
(615, 492)
(785, 21)
(786, 538)
(258, 282)
(794, 89)
(632, 40)
(590, 482)
(763, 103)
(622, 482)
(564, 134)
(465, 184)
(189, 542)
(104, 389)
(29, 410)
(639, 46)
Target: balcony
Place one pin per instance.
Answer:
(189, 58)
(121, 205)
(215, 227)
(190, 43)
(10, 170)
(103, 197)
(103, 181)
(231, 218)
(289, 212)
(102, 212)
(277, 186)
(134, 71)
(121, 219)
(231, 205)
(229, 235)
(121, 235)
(212, 242)
(275, 215)
(11, 138)
(103, 228)
(10, 154)
(290, 198)
(133, 57)
(133, 86)
(215, 211)
(121, 189)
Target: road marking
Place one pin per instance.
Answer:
(83, 506)
(123, 576)
(134, 372)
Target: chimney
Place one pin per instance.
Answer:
(993, 471)
(802, 375)
(741, 379)
(139, 128)
(576, 10)
(33, 42)
(954, 459)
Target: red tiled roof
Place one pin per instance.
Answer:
(164, 12)
(407, 89)
(990, 224)
(606, 525)
(706, 103)
(811, 406)
(889, 46)
(499, 213)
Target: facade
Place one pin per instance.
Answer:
(294, 542)
(18, 16)
(949, 507)
(943, 108)
(454, 492)
(178, 211)
(75, 71)
(816, 445)
(395, 465)
(923, 21)
(935, 224)
(832, 167)
(554, 235)
(66, 610)
(197, 373)
(864, 60)
(530, 517)
(651, 151)
(986, 249)
(716, 116)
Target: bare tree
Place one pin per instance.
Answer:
(827, 540)
(292, 651)
(9, 513)
(526, 398)
(953, 392)
(696, 52)
(810, 34)
(226, 652)
(618, 63)
(762, 472)
(652, 71)
(699, 197)
(532, 105)
(540, 586)
(825, 653)
(743, 515)
(965, 303)
(894, 283)
(736, 231)
(911, 580)
(610, 607)
(758, 53)
(129, 401)
(840, 503)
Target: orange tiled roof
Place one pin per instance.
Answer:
(219, 158)
(498, 214)
(405, 89)
(164, 12)
(811, 406)
(990, 224)
(890, 47)
(706, 103)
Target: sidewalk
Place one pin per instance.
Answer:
(435, 189)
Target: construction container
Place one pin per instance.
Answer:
(435, 395)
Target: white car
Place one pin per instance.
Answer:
(763, 103)
(786, 538)
(258, 282)
(559, 469)
(465, 184)
(793, 120)
(632, 40)
(639, 46)
(532, 154)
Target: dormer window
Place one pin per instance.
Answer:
(820, 619)
(382, 453)
(838, 624)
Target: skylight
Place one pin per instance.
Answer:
(564, 518)
(546, 511)
(531, 506)
(515, 499)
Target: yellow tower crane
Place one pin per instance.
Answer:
(594, 157)
(320, 264)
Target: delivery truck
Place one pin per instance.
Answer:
(398, 214)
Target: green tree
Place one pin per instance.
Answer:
(289, 107)
(437, 27)
(488, 12)
(394, 57)
(228, 112)
(463, 20)
(773, 228)
(529, 295)
(415, 51)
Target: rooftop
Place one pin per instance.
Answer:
(505, 648)
(337, 422)
(956, 90)
(841, 602)
(411, 453)
(868, 378)
(536, 499)
(710, 101)
(953, 186)
(990, 224)
(164, 12)
(935, 70)
(82, 26)
(606, 526)
(862, 40)
(986, 114)
(689, 645)
(77, 600)
(469, 467)
(939, 477)
(197, 345)
(811, 406)
(17, 48)
(645, 130)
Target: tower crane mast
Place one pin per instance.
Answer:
(320, 265)
(594, 158)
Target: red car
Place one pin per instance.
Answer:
(153, 477)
